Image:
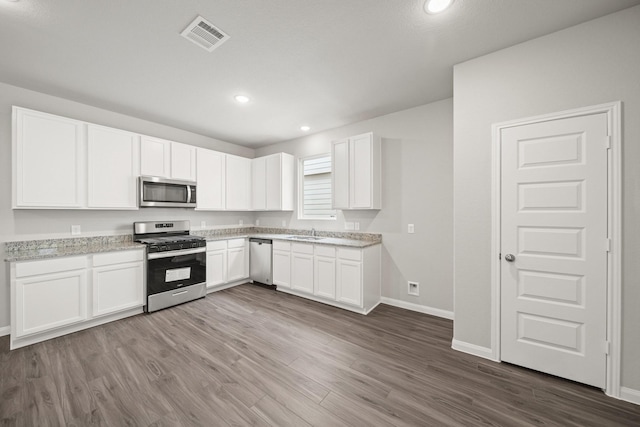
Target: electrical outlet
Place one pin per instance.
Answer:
(257, 222)
(349, 225)
(413, 288)
(357, 226)
(241, 222)
(411, 229)
(75, 230)
(284, 223)
(203, 224)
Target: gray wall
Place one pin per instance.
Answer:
(32, 224)
(417, 188)
(589, 64)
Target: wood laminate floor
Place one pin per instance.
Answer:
(252, 356)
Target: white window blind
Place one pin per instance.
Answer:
(317, 188)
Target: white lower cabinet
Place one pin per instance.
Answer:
(48, 295)
(54, 297)
(227, 261)
(302, 267)
(324, 268)
(281, 260)
(348, 278)
(117, 282)
(216, 263)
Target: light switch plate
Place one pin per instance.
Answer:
(284, 223)
(357, 224)
(411, 229)
(75, 230)
(203, 224)
(257, 222)
(241, 222)
(349, 225)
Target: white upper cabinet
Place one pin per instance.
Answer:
(48, 161)
(273, 182)
(356, 172)
(155, 157)
(238, 183)
(113, 168)
(183, 161)
(211, 179)
(167, 159)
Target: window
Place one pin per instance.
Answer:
(315, 200)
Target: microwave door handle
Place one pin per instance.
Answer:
(188, 194)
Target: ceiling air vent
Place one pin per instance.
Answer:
(204, 34)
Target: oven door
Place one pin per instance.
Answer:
(167, 271)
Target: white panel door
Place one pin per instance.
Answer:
(340, 174)
(325, 277)
(155, 157)
(282, 268)
(553, 247)
(216, 267)
(183, 161)
(113, 159)
(259, 184)
(360, 179)
(302, 272)
(238, 182)
(236, 264)
(50, 301)
(210, 172)
(117, 287)
(349, 282)
(49, 161)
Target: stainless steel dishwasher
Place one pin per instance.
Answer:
(260, 261)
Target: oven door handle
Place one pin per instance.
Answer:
(170, 254)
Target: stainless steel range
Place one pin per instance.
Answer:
(176, 263)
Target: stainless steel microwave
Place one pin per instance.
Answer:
(156, 192)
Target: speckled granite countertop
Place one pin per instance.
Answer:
(52, 248)
(334, 238)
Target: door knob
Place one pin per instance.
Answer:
(510, 257)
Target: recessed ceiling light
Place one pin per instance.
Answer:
(243, 99)
(305, 128)
(436, 6)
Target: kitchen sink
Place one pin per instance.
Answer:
(306, 238)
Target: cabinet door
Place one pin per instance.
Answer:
(216, 267)
(282, 268)
(302, 272)
(238, 183)
(349, 282)
(50, 301)
(360, 176)
(210, 173)
(183, 161)
(155, 157)
(259, 184)
(325, 277)
(49, 161)
(117, 287)
(113, 159)
(273, 182)
(236, 264)
(340, 174)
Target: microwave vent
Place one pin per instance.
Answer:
(204, 34)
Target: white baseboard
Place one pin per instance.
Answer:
(5, 330)
(226, 286)
(417, 307)
(473, 349)
(630, 395)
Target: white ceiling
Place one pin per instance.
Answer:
(325, 63)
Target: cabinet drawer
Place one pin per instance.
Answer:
(302, 248)
(323, 250)
(236, 243)
(33, 268)
(217, 245)
(117, 257)
(281, 246)
(350, 254)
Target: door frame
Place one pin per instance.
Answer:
(614, 228)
